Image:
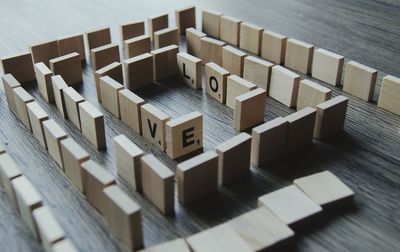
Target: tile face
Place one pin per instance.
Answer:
(360, 80)
(9, 170)
(22, 98)
(49, 230)
(230, 30)
(72, 43)
(138, 71)
(193, 44)
(185, 18)
(20, 66)
(284, 86)
(389, 97)
(154, 125)
(37, 116)
(177, 245)
(109, 89)
(9, 83)
(216, 79)
(72, 100)
(211, 22)
(257, 71)
(44, 52)
(64, 245)
(69, 67)
(250, 37)
(113, 70)
(131, 30)
(211, 50)
(92, 122)
(301, 128)
(58, 85)
(98, 37)
(136, 46)
(237, 86)
(104, 55)
(129, 105)
(233, 60)
(165, 63)
(311, 94)
(249, 109)
(43, 77)
(156, 23)
(299, 56)
(327, 66)
(54, 134)
(190, 69)
(273, 47)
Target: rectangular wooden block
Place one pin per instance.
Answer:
(72, 100)
(20, 66)
(249, 109)
(131, 30)
(327, 66)
(177, 245)
(165, 62)
(216, 79)
(154, 125)
(233, 60)
(72, 43)
(233, 158)
(138, 71)
(109, 89)
(37, 116)
(190, 68)
(250, 37)
(284, 86)
(211, 23)
(98, 37)
(92, 122)
(158, 183)
(193, 43)
(211, 50)
(64, 245)
(104, 55)
(230, 30)
(237, 86)
(360, 80)
(311, 94)
(389, 97)
(54, 134)
(184, 135)
(129, 105)
(113, 70)
(44, 52)
(9, 83)
(124, 217)
(156, 23)
(299, 56)
(43, 77)
(22, 98)
(9, 170)
(257, 71)
(301, 128)
(273, 47)
(136, 46)
(185, 18)
(330, 117)
(166, 37)
(59, 84)
(73, 155)
(69, 67)
(128, 159)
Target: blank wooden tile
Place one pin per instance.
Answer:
(123, 217)
(113, 70)
(131, 30)
(301, 128)
(54, 134)
(69, 67)
(233, 158)
(72, 156)
(190, 68)
(273, 47)
(59, 84)
(284, 86)
(193, 43)
(21, 99)
(109, 89)
(389, 97)
(236, 86)
(249, 109)
(72, 43)
(184, 135)
(9, 83)
(230, 30)
(156, 23)
(360, 80)
(138, 71)
(49, 229)
(216, 79)
(185, 18)
(104, 55)
(158, 183)
(19, 65)
(9, 170)
(92, 122)
(43, 77)
(165, 62)
(177, 245)
(299, 56)
(44, 52)
(211, 50)
(137, 46)
(250, 37)
(154, 125)
(98, 37)
(211, 23)
(165, 37)
(233, 60)
(311, 94)
(330, 117)
(37, 116)
(96, 179)
(72, 100)
(290, 205)
(128, 160)
(257, 71)
(64, 245)
(327, 66)
(129, 105)
(269, 141)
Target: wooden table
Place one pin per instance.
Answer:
(366, 156)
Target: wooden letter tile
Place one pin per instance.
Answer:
(113, 70)
(9, 170)
(165, 62)
(20, 66)
(327, 66)
(211, 50)
(43, 77)
(59, 84)
(237, 86)
(185, 18)
(166, 37)
(72, 43)
(98, 37)
(9, 83)
(249, 109)
(156, 23)
(72, 100)
(136, 46)
(193, 43)
(69, 67)
(64, 245)
(190, 68)
(92, 122)
(233, 60)
(129, 105)
(389, 98)
(154, 125)
(250, 37)
(230, 30)
(49, 230)
(273, 47)
(44, 52)
(299, 56)
(284, 86)
(211, 23)
(138, 71)
(311, 94)
(301, 128)
(54, 134)
(104, 55)
(360, 80)
(22, 98)
(37, 116)
(131, 30)
(257, 71)
(216, 81)
(109, 89)
(177, 245)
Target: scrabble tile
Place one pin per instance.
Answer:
(190, 68)
(165, 62)
(284, 86)
(9, 83)
(129, 105)
(123, 217)
(44, 52)
(37, 116)
(156, 23)
(236, 86)
(73, 155)
(233, 60)
(257, 71)
(197, 177)
(177, 245)
(193, 43)
(128, 159)
(249, 109)
(92, 122)
(109, 89)
(28, 199)
(59, 84)
(211, 50)
(261, 229)
(113, 70)
(389, 97)
(54, 134)
(64, 245)
(165, 37)
(233, 158)
(9, 170)
(138, 71)
(311, 94)
(211, 23)
(273, 47)
(20, 66)
(43, 77)
(327, 66)
(282, 202)
(269, 141)
(72, 43)
(131, 30)
(185, 18)
(69, 67)
(184, 135)
(49, 229)
(230, 30)
(216, 79)
(158, 183)
(104, 55)
(96, 179)
(154, 125)
(360, 80)
(301, 128)
(137, 46)
(299, 56)
(22, 98)
(330, 117)
(250, 37)
(72, 100)
(98, 37)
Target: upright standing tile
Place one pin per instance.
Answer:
(64, 245)
(311, 94)
(104, 55)
(20, 66)
(389, 97)
(177, 245)
(37, 116)
(154, 125)
(216, 79)
(72, 43)
(327, 66)
(69, 67)
(72, 100)
(109, 89)
(273, 47)
(230, 30)
(59, 84)
(211, 23)
(233, 60)
(284, 86)
(257, 71)
(360, 80)
(92, 121)
(249, 109)
(131, 30)
(113, 70)
(250, 37)
(166, 37)
(54, 134)
(211, 50)
(9, 83)
(129, 105)
(136, 46)
(22, 98)
(237, 86)
(185, 18)
(2, 150)
(299, 56)
(9, 170)
(138, 71)
(158, 183)
(301, 128)
(156, 23)
(193, 43)
(190, 68)
(43, 77)
(44, 52)
(165, 62)
(98, 37)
